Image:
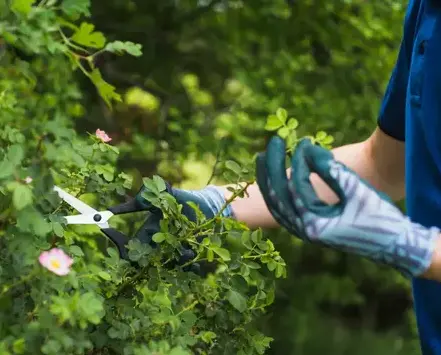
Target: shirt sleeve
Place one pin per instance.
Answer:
(391, 119)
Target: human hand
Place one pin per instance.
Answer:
(363, 222)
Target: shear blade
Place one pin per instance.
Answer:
(80, 206)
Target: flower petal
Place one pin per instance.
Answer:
(102, 135)
(56, 261)
(44, 258)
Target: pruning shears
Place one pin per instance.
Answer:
(89, 215)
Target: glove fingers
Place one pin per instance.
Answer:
(187, 254)
(149, 228)
(273, 183)
(278, 180)
(262, 182)
(307, 159)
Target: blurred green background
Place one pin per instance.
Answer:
(210, 74)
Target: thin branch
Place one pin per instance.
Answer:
(216, 163)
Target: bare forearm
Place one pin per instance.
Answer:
(379, 160)
(252, 209)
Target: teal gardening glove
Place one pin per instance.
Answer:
(210, 201)
(364, 222)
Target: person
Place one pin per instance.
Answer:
(339, 198)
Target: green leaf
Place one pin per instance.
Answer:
(107, 171)
(261, 343)
(86, 36)
(280, 271)
(150, 186)
(245, 237)
(159, 237)
(31, 221)
(138, 250)
(263, 246)
(51, 347)
(237, 300)
(328, 140)
(282, 115)
(291, 139)
(22, 6)
(271, 265)
(75, 8)
(22, 196)
(190, 81)
(207, 336)
(292, 123)
(320, 135)
(58, 229)
(252, 265)
(15, 154)
(273, 123)
(159, 183)
(19, 346)
(283, 132)
(105, 275)
(223, 253)
(6, 169)
(76, 250)
(161, 318)
(233, 166)
(91, 307)
(210, 255)
(120, 47)
(178, 350)
(162, 299)
(256, 236)
(106, 91)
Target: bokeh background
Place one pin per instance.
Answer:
(210, 74)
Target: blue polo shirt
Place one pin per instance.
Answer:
(411, 112)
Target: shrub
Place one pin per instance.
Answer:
(99, 303)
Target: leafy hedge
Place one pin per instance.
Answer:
(64, 289)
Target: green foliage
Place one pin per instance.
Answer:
(194, 107)
(105, 305)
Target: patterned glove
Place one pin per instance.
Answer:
(210, 201)
(364, 222)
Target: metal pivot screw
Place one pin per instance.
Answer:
(97, 217)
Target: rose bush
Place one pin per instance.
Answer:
(64, 289)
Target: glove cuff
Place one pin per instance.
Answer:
(210, 200)
(413, 251)
(216, 199)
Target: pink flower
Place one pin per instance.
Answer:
(102, 135)
(28, 180)
(56, 260)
